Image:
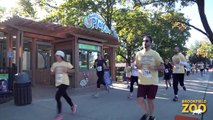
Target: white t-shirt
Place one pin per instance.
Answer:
(60, 76)
(128, 71)
(134, 70)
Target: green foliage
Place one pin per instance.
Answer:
(205, 50)
(202, 51)
(2, 10)
(130, 23)
(25, 8)
(166, 35)
(72, 12)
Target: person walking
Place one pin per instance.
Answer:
(60, 69)
(188, 70)
(148, 63)
(179, 62)
(167, 73)
(134, 78)
(100, 65)
(128, 74)
(201, 67)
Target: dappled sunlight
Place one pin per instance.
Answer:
(162, 98)
(198, 91)
(209, 92)
(197, 81)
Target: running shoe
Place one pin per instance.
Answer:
(152, 118)
(175, 99)
(184, 88)
(107, 88)
(130, 96)
(59, 117)
(74, 108)
(95, 95)
(144, 117)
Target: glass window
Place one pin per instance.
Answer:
(92, 57)
(87, 55)
(3, 50)
(44, 55)
(26, 64)
(83, 59)
(68, 55)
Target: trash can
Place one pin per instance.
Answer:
(22, 89)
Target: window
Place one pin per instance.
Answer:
(27, 54)
(92, 57)
(43, 55)
(83, 59)
(87, 55)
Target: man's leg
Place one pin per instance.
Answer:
(175, 83)
(181, 80)
(152, 91)
(175, 86)
(141, 101)
(98, 85)
(151, 106)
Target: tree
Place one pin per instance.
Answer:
(132, 24)
(25, 8)
(167, 34)
(72, 12)
(2, 10)
(203, 51)
(170, 4)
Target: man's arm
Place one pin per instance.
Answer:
(158, 68)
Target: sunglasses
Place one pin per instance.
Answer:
(146, 41)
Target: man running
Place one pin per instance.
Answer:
(179, 61)
(148, 63)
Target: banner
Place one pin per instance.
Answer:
(3, 83)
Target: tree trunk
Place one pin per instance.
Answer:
(200, 4)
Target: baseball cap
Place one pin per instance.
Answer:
(60, 53)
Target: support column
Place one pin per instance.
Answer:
(76, 62)
(9, 49)
(19, 51)
(112, 62)
(34, 53)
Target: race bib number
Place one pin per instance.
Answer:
(166, 71)
(59, 78)
(177, 67)
(99, 68)
(146, 73)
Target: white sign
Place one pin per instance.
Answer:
(94, 20)
(9, 54)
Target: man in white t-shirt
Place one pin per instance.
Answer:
(148, 63)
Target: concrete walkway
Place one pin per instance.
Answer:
(113, 105)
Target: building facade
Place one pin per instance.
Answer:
(31, 46)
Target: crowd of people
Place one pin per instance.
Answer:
(143, 71)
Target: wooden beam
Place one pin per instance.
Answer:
(43, 37)
(89, 38)
(76, 62)
(19, 51)
(63, 40)
(40, 32)
(34, 61)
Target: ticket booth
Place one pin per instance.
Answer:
(33, 45)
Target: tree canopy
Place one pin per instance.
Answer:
(131, 21)
(171, 4)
